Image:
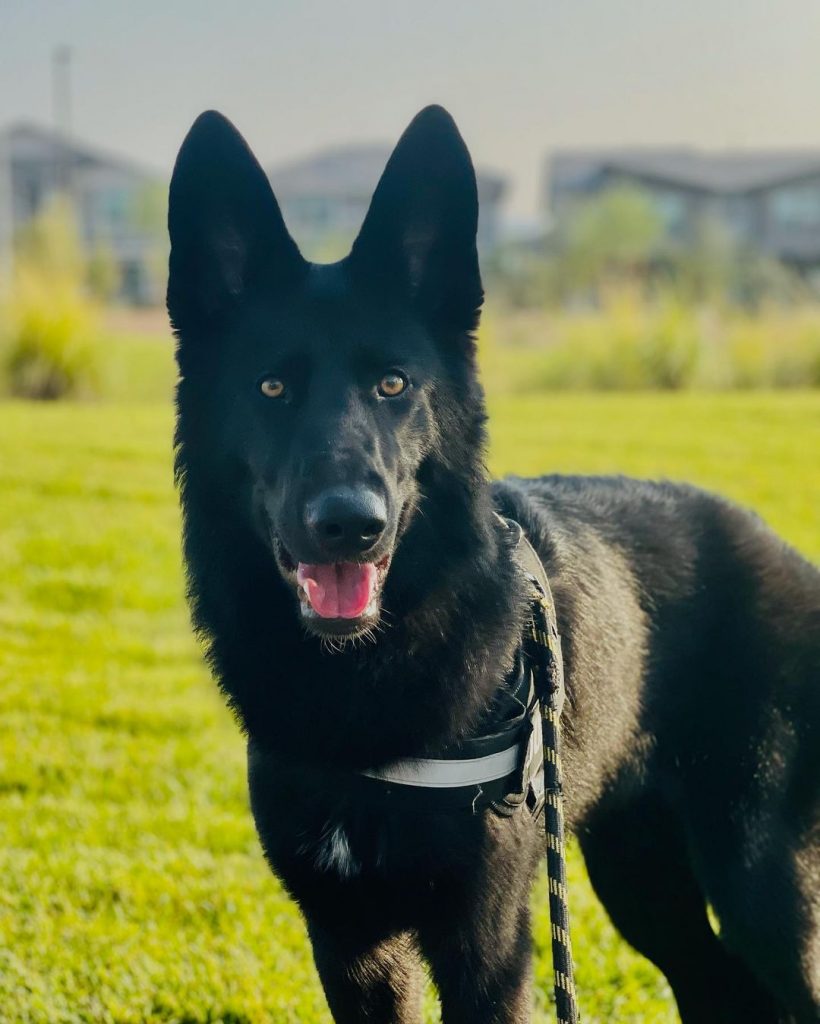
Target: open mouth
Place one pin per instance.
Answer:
(336, 598)
(341, 590)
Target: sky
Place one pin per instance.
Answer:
(522, 78)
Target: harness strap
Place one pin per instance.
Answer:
(442, 773)
(472, 774)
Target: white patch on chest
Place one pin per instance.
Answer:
(333, 853)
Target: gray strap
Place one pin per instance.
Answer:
(439, 773)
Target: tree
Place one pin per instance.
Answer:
(612, 236)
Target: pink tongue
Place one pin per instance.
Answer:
(340, 591)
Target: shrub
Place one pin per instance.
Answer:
(102, 274)
(47, 322)
(631, 345)
(47, 350)
(626, 348)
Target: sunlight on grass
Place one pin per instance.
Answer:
(133, 888)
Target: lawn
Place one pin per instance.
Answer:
(133, 888)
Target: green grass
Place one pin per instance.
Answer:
(133, 888)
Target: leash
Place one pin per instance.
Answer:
(483, 770)
(545, 636)
(548, 670)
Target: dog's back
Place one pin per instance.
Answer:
(703, 752)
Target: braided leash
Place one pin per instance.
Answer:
(549, 673)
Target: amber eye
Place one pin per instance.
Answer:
(272, 387)
(392, 384)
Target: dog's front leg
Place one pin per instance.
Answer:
(367, 981)
(484, 972)
(479, 944)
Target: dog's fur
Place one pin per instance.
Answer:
(691, 633)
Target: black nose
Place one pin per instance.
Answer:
(346, 520)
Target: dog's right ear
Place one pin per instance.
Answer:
(227, 232)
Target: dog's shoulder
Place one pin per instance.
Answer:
(671, 542)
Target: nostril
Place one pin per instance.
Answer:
(372, 528)
(332, 530)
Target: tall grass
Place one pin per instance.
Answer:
(668, 345)
(52, 345)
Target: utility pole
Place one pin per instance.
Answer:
(6, 214)
(61, 115)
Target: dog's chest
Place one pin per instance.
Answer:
(330, 852)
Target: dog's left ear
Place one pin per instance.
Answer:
(419, 236)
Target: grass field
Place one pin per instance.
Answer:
(133, 888)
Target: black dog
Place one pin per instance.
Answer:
(361, 604)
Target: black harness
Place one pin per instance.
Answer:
(519, 762)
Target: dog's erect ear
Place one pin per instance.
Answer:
(419, 235)
(227, 232)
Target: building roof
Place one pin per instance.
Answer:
(24, 138)
(352, 171)
(705, 170)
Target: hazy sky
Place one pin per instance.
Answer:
(521, 77)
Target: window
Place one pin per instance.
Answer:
(671, 208)
(796, 206)
(738, 212)
(113, 208)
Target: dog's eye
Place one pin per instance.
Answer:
(272, 387)
(392, 384)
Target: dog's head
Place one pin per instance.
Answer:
(314, 394)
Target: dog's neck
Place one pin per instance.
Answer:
(454, 610)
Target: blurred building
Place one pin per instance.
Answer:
(324, 197)
(766, 199)
(37, 164)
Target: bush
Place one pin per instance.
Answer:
(47, 323)
(774, 351)
(102, 274)
(668, 345)
(47, 351)
(626, 348)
